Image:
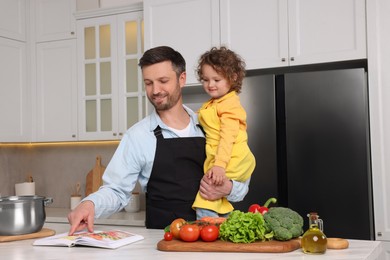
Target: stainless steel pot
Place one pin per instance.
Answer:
(22, 214)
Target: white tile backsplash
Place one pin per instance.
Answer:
(55, 168)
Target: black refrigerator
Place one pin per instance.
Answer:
(309, 131)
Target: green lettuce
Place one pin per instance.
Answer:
(245, 227)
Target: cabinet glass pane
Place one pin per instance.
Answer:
(132, 111)
(142, 36)
(106, 115)
(131, 75)
(90, 79)
(89, 44)
(131, 37)
(91, 112)
(105, 41)
(105, 78)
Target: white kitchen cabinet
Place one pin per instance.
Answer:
(294, 32)
(265, 33)
(257, 30)
(53, 70)
(13, 19)
(189, 26)
(326, 31)
(54, 19)
(111, 96)
(378, 37)
(56, 91)
(15, 112)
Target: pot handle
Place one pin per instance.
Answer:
(48, 201)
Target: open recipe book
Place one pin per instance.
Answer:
(105, 239)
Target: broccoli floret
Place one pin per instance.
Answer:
(284, 222)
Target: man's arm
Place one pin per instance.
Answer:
(119, 180)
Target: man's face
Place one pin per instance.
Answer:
(162, 86)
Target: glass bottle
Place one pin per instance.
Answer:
(314, 240)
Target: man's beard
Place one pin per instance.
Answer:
(171, 100)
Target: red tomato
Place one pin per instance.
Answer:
(168, 236)
(189, 232)
(175, 227)
(209, 233)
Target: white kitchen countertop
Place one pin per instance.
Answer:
(147, 249)
(123, 218)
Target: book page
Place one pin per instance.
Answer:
(57, 240)
(105, 239)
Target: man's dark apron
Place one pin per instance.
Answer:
(174, 181)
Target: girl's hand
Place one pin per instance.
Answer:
(217, 175)
(210, 191)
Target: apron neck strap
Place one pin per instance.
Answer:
(158, 133)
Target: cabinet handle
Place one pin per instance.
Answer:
(292, 59)
(72, 33)
(379, 234)
(73, 136)
(114, 134)
(283, 59)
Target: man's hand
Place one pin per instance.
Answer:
(82, 217)
(210, 191)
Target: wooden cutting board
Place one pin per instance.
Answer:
(45, 232)
(94, 177)
(224, 246)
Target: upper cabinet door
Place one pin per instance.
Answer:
(55, 19)
(257, 30)
(326, 30)
(98, 98)
(131, 96)
(15, 112)
(189, 26)
(56, 91)
(13, 19)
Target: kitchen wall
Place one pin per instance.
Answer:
(56, 168)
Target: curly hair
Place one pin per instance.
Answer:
(225, 62)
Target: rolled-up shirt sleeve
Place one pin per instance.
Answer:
(239, 191)
(121, 176)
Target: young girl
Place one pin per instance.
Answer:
(221, 72)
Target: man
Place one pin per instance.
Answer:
(164, 152)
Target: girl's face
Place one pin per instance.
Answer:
(213, 83)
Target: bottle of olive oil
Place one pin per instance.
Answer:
(314, 240)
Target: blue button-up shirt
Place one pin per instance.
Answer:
(133, 161)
